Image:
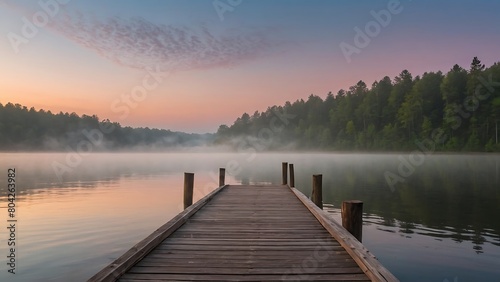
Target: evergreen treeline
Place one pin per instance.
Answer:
(461, 106)
(28, 129)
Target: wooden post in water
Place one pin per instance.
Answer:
(222, 177)
(188, 189)
(317, 190)
(284, 170)
(292, 176)
(352, 218)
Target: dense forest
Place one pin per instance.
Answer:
(28, 129)
(456, 111)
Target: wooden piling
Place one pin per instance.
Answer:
(284, 170)
(292, 175)
(222, 177)
(188, 189)
(317, 190)
(352, 218)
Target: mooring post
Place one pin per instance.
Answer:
(292, 176)
(317, 190)
(188, 189)
(222, 176)
(284, 170)
(352, 218)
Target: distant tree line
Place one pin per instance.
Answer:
(457, 111)
(28, 129)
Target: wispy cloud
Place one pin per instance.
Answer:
(139, 43)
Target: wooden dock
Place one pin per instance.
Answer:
(248, 233)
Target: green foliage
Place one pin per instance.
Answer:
(392, 115)
(23, 129)
(491, 146)
(453, 144)
(350, 129)
(473, 143)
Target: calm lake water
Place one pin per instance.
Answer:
(442, 223)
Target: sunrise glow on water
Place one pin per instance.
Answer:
(70, 230)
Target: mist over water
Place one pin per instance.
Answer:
(439, 223)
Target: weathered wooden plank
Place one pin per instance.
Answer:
(239, 236)
(255, 220)
(255, 255)
(244, 242)
(255, 212)
(240, 270)
(249, 251)
(248, 262)
(248, 233)
(243, 248)
(252, 225)
(244, 228)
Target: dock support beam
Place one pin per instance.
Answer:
(317, 190)
(292, 175)
(188, 189)
(352, 218)
(284, 170)
(222, 177)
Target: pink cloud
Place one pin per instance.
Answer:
(139, 43)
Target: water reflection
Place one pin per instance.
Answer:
(449, 196)
(414, 252)
(37, 171)
(447, 209)
(456, 194)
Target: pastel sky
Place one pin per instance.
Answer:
(193, 65)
